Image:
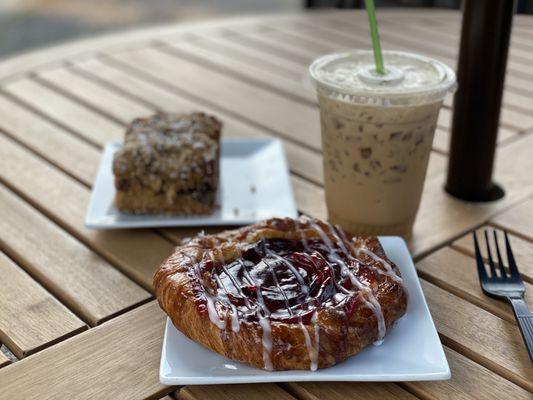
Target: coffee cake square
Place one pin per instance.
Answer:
(169, 164)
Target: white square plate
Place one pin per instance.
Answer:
(254, 185)
(411, 350)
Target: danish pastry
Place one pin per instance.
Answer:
(283, 293)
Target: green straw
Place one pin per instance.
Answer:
(378, 57)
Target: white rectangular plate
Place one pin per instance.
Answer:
(254, 185)
(411, 350)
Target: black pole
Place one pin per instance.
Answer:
(481, 71)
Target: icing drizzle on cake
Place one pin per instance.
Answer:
(289, 281)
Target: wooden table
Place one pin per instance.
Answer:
(76, 308)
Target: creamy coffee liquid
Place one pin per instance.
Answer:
(377, 134)
(375, 162)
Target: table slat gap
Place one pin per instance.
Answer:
(85, 363)
(522, 250)
(259, 391)
(259, 42)
(119, 248)
(194, 98)
(344, 390)
(469, 380)
(65, 112)
(132, 111)
(57, 164)
(31, 319)
(312, 170)
(228, 47)
(469, 293)
(485, 338)
(164, 99)
(269, 112)
(285, 87)
(4, 359)
(49, 83)
(63, 265)
(31, 107)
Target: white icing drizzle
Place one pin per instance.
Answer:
(314, 359)
(282, 292)
(376, 258)
(213, 315)
(266, 341)
(299, 277)
(312, 348)
(374, 305)
(312, 335)
(264, 321)
(235, 325)
(211, 308)
(234, 315)
(371, 300)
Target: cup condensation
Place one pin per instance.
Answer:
(377, 133)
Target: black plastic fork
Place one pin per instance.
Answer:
(505, 283)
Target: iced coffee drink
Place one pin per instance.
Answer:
(377, 133)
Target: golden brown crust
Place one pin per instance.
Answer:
(138, 201)
(339, 337)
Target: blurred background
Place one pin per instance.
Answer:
(26, 24)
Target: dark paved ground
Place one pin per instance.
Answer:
(26, 24)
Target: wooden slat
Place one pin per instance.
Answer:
(441, 142)
(68, 113)
(30, 318)
(117, 107)
(522, 251)
(220, 41)
(70, 152)
(457, 273)
(269, 109)
(234, 392)
(137, 252)
(518, 219)
(469, 381)
(345, 390)
(258, 74)
(118, 359)
(305, 162)
(442, 218)
(259, 37)
(482, 336)
(309, 198)
(71, 271)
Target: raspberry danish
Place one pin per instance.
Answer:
(283, 293)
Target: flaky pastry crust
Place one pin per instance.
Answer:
(309, 330)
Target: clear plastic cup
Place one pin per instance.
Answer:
(377, 132)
